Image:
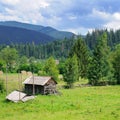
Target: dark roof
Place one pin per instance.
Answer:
(38, 80)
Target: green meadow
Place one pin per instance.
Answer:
(80, 103)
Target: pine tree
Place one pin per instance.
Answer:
(116, 63)
(71, 71)
(100, 67)
(81, 51)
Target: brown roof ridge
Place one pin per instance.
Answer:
(37, 80)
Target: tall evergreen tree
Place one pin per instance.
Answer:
(81, 51)
(116, 63)
(71, 71)
(99, 67)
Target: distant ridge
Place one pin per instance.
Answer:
(49, 31)
(22, 25)
(9, 35)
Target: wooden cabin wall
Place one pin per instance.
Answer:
(38, 89)
(48, 88)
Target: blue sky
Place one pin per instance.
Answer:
(78, 16)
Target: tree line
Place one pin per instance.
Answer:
(101, 65)
(58, 49)
(113, 37)
(98, 63)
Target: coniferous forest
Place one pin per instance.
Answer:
(61, 48)
(94, 57)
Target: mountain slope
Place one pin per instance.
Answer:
(10, 35)
(22, 25)
(58, 35)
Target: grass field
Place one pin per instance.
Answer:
(85, 103)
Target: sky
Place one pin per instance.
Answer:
(77, 16)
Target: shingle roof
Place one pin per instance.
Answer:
(16, 96)
(37, 80)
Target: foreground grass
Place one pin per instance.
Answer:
(88, 103)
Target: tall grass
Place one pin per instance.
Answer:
(14, 81)
(88, 103)
(82, 103)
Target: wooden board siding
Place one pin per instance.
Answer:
(41, 85)
(38, 89)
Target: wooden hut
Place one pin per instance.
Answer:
(40, 85)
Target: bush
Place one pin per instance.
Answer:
(105, 82)
(42, 73)
(2, 88)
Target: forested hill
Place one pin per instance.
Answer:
(29, 41)
(49, 31)
(14, 35)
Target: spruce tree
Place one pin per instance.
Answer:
(81, 51)
(116, 63)
(71, 71)
(100, 67)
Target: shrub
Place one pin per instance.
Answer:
(2, 88)
(42, 73)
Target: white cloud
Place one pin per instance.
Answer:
(9, 17)
(54, 20)
(71, 15)
(43, 4)
(10, 11)
(27, 3)
(113, 25)
(10, 2)
(110, 21)
(24, 10)
(116, 16)
(80, 30)
(113, 22)
(100, 14)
